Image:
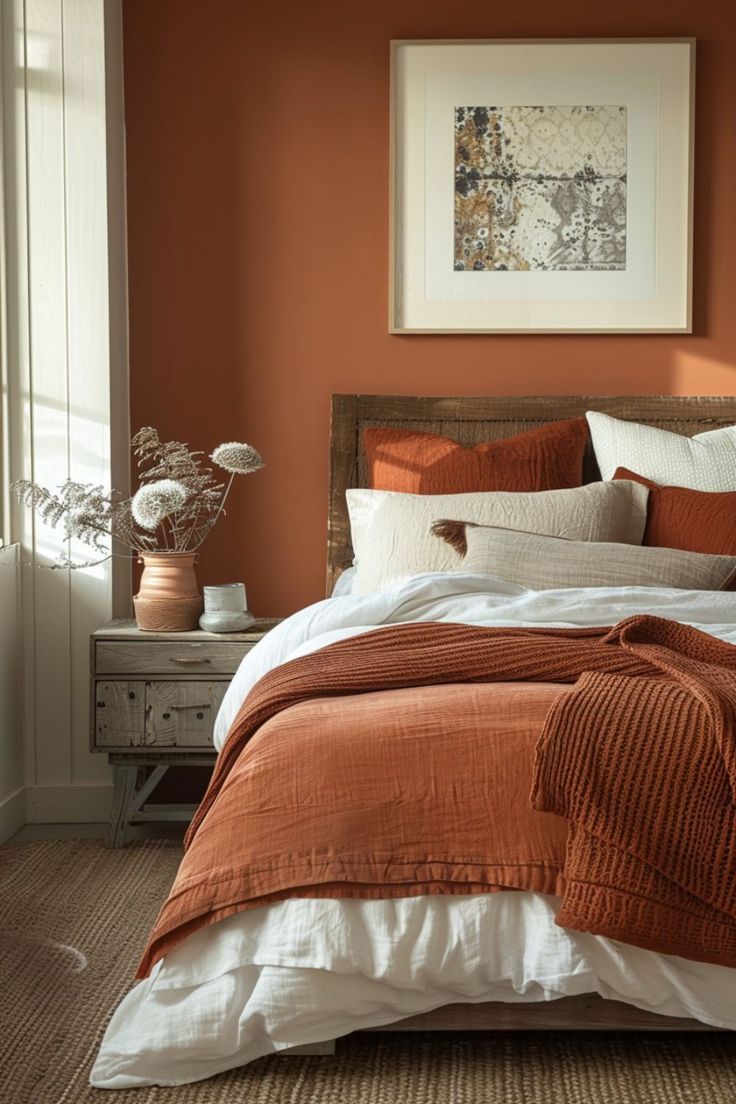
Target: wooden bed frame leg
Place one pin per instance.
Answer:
(325, 1049)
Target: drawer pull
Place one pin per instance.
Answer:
(190, 659)
(205, 705)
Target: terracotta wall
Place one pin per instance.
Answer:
(257, 139)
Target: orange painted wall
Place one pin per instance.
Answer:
(257, 142)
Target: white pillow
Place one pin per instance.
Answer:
(705, 462)
(344, 584)
(392, 532)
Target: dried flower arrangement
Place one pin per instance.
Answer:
(173, 511)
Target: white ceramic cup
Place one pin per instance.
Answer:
(225, 609)
(228, 596)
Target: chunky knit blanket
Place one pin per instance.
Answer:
(639, 757)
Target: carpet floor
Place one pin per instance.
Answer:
(74, 917)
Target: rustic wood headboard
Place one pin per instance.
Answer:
(469, 420)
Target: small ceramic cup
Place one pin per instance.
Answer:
(225, 609)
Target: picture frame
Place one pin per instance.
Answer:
(541, 186)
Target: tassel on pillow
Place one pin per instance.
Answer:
(453, 533)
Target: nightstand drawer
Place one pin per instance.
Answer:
(119, 713)
(156, 714)
(177, 658)
(182, 714)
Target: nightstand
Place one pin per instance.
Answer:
(154, 701)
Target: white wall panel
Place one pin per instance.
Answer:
(64, 351)
(47, 293)
(17, 336)
(12, 798)
(88, 334)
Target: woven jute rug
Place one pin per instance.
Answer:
(74, 917)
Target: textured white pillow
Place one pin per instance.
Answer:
(706, 462)
(392, 532)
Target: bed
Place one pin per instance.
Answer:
(178, 977)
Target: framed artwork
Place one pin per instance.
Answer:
(542, 186)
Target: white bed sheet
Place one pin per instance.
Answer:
(307, 970)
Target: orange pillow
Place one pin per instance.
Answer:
(543, 459)
(695, 521)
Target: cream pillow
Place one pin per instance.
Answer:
(547, 563)
(706, 462)
(392, 532)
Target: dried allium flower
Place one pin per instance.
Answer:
(236, 458)
(153, 502)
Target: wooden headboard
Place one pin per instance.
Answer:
(469, 420)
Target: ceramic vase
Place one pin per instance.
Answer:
(168, 599)
(225, 609)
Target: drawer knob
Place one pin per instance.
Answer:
(100, 705)
(166, 716)
(131, 695)
(189, 660)
(200, 715)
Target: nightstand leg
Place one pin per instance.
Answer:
(124, 779)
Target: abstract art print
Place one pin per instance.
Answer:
(542, 186)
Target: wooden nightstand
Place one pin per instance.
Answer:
(155, 697)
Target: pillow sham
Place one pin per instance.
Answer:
(344, 583)
(705, 462)
(550, 563)
(542, 459)
(696, 521)
(392, 537)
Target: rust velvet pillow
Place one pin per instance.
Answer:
(544, 459)
(695, 521)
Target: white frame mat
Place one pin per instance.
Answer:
(653, 79)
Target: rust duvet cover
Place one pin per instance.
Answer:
(595, 764)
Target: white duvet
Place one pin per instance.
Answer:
(303, 971)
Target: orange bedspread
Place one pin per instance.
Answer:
(337, 780)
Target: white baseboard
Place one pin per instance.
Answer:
(12, 814)
(68, 804)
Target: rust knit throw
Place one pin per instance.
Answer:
(640, 758)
